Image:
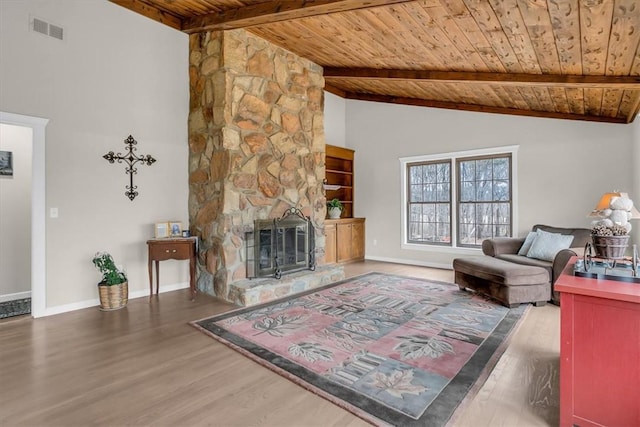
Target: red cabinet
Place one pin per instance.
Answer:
(599, 351)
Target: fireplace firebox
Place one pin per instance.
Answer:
(280, 246)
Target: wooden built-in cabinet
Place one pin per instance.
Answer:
(344, 240)
(339, 177)
(344, 236)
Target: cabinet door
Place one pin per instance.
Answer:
(599, 385)
(343, 240)
(330, 244)
(357, 240)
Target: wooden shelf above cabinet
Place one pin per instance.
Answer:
(339, 171)
(337, 163)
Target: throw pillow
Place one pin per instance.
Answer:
(524, 249)
(546, 245)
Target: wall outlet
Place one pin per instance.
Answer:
(375, 242)
(53, 212)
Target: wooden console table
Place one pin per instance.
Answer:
(599, 351)
(178, 248)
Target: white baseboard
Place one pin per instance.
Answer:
(410, 262)
(13, 297)
(163, 289)
(50, 311)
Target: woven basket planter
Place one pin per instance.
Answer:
(610, 247)
(113, 297)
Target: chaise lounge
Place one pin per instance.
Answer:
(510, 273)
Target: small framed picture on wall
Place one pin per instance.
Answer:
(175, 229)
(161, 230)
(6, 163)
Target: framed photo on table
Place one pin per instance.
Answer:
(175, 229)
(161, 230)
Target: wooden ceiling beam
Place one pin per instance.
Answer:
(502, 79)
(276, 11)
(334, 90)
(479, 108)
(634, 110)
(152, 12)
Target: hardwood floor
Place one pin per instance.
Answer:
(144, 365)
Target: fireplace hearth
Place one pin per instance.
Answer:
(281, 246)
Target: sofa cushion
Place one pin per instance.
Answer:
(520, 259)
(523, 260)
(524, 249)
(546, 245)
(580, 235)
(501, 271)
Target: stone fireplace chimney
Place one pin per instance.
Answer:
(256, 143)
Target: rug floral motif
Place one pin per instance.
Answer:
(17, 307)
(397, 350)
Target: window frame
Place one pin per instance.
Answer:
(436, 202)
(458, 183)
(453, 157)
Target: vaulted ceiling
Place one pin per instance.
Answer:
(566, 59)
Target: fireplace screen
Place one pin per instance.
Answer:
(280, 246)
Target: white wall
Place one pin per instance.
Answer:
(335, 119)
(563, 166)
(15, 214)
(116, 73)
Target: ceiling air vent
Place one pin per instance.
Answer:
(43, 27)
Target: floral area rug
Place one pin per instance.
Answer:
(16, 307)
(392, 350)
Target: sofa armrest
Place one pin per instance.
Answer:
(502, 245)
(560, 262)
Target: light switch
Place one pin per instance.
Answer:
(53, 212)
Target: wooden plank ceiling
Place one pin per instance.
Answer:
(567, 59)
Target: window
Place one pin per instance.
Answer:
(484, 203)
(430, 202)
(458, 199)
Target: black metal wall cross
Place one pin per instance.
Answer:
(130, 159)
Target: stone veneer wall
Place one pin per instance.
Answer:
(256, 142)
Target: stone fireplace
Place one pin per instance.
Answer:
(256, 143)
(280, 246)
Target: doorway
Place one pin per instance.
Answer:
(36, 125)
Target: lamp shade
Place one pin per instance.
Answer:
(605, 200)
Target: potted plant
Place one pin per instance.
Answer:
(334, 208)
(113, 288)
(610, 241)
